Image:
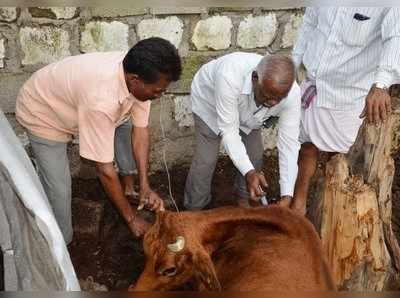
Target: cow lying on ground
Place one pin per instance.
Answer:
(234, 249)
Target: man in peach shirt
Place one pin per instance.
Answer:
(90, 96)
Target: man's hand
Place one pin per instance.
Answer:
(255, 183)
(150, 200)
(378, 106)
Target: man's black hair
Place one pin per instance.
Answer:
(150, 57)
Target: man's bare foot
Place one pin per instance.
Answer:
(139, 226)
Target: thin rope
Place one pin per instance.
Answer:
(164, 140)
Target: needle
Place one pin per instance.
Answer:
(263, 199)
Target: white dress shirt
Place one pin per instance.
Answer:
(347, 49)
(222, 96)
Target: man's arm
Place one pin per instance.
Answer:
(303, 35)
(141, 150)
(110, 181)
(378, 101)
(96, 134)
(228, 124)
(288, 143)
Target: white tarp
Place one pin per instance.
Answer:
(35, 243)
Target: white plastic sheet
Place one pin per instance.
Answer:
(41, 257)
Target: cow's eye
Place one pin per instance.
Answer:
(171, 271)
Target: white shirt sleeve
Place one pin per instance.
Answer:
(388, 72)
(308, 25)
(227, 98)
(288, 142)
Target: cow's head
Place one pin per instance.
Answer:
(175, 255)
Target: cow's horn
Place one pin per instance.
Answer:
(178, 246)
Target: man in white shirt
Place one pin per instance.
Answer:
(233, 97)
(352, 57)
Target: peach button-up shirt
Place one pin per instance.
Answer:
(84, 95)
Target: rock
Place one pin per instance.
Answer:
(8, 14)
(257, 32)
(170, 28)
(290, 31)
(89, 284)
(44, 45)
(213, 33)
(104, 36)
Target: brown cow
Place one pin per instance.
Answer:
(269, 248)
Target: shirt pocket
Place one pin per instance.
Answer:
(359, 31)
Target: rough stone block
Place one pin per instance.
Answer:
(190, 65)
(2, 53)
(8, 14)
(53, 12)
(213, 33)
(64, 12)
(87, 216)
(44, 45)
(114, 12)
(257, 32)
(170, 28)
(290, 30)
(183, 111)
(103, 36)
(9, 88)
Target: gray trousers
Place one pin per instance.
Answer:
(198, 182)
(53, 167)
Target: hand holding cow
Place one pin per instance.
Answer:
(151, 200)
(255, 183)
(138, 225)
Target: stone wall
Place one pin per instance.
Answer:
(33, 37)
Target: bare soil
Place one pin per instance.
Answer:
(115, 259)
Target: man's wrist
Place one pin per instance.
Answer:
(250, 173)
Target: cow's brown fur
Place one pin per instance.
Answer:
(269, 248)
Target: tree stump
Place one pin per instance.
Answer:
(353, 212)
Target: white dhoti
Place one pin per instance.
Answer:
(328, 129)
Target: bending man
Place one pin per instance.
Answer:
(91, 95)
(233, 97)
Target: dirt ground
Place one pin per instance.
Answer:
(115, 260)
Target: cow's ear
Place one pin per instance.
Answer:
(205, 272)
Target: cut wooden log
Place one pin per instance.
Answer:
(354, 211)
